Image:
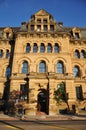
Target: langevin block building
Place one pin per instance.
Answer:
(39, 55)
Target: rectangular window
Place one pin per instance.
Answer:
(45, 27)
(23, 91)
(79, 95)
(44, 20)
(32, 28)
(38, 20)
(38, 27)
(51, 27)
(77, 35)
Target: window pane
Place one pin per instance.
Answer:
(42, 67)
(77, 55)
(82, 54)
(76, 71)
(24, 68)
(51, 27)
(7, 71)
(79, 92)
(49, 48)
(42, 48)
(32, 27)
(60, 68)
(45, 28)
(56, 48)
(23, 91)
(1, 53)
(35, 48)
(7, 53)
(28, 48)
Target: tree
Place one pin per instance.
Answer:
(60, 94)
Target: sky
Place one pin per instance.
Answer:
(71, 12)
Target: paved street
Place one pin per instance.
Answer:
(59, 122)
(42, 125)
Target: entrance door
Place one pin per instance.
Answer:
(43, 101)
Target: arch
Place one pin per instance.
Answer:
(40, 59)
(43, 101)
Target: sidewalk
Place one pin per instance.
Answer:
(43, 117)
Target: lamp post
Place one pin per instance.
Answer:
(27, 87)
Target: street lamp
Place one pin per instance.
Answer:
(27, 87)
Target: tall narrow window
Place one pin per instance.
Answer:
(49, 48)
(42, 48)
(28, 48)
(7, 53)
(1, 53)
(77, 54)
(24, 67)
(83, 54)
(76, 71)
(60, 67)
(8, 71)
(79, 94)
(35, 48)
(56, 48)
(42, 67)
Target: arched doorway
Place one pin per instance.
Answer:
(43, 101)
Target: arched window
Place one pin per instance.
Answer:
(56, 48)
(8, 71)
(35, 48)
(77, 54)
(28, 48)
(76, 71)
(42, 67)
(1, 53)
(49, 48)
(42, 48)
(24, 67)
(7, 53)
(83, 54)
(60, 67)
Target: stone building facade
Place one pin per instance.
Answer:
(36, 57)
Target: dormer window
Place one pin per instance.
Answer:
(38, 20)
(77, 35)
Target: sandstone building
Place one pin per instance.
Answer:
(36, 57)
